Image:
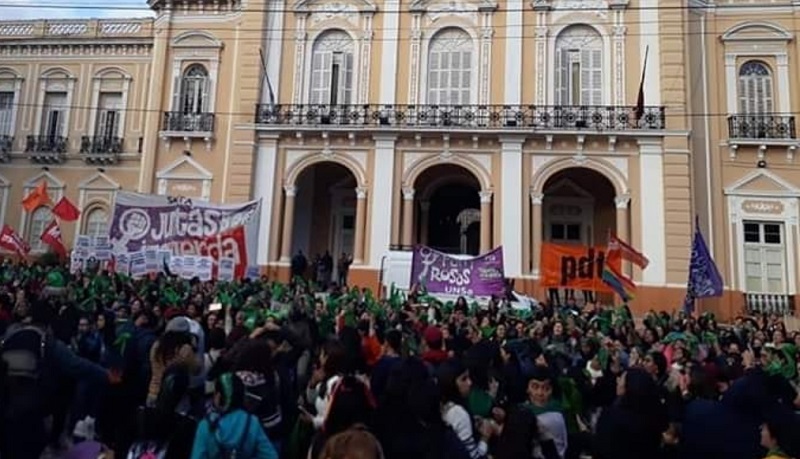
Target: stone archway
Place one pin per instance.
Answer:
(444, 207)
(324, 216)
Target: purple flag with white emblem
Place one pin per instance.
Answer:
(705, 280)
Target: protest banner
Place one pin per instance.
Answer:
(574, 267)
(186, 228)
(442, 273)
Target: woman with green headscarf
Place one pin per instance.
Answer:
(229, 431)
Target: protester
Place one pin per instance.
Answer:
(319, 370)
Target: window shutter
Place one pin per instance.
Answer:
(434, 76)
(321, 64)
(562, 77)
(203, 104)
(178, 87)
(766, 97)
(466, 77)
(346, 79)
(744, 95)
(591, 77)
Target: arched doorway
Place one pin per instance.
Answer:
(325, 223)
(578, 208)
(448, 210)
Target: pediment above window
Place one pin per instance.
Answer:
(441, 7)
(757, 31)
(596, 7)
(325, 9)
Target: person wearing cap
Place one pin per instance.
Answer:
(175, 348)
(433, 352)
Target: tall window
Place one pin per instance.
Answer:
(96, 223)
(764, 257)
(6, 112)
(755, 88)
(579, 66)
(54, 114)
(450, 63)
(332, 69)
(108, 115)
(194, 86)
(40, 218)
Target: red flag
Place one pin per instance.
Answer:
(36, 198)
(65, 210)
(52, 237)
(10, 240)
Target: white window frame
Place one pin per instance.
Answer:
(195, 47)
(473, 70)
(109, 82)
(55, 81)
(44, 123)
(748, 87)
(55, 188)
(85, 224)
(34, 239)
(763, 247)
(11, 82)
(200, 88)
(578, 45)
(309, 58)
(607, 74)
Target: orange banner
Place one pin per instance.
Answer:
(574, 267)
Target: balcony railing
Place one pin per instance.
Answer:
(498, 117)
(101, 149)
(770, 303)
(46, 148)
(6, 144)
(180, 122)
(761, 126)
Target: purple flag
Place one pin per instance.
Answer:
(704, 278)
(475, 276)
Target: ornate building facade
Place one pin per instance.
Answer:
(374, 125)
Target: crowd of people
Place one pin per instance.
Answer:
(96, 364)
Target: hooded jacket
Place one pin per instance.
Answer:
(236, 430)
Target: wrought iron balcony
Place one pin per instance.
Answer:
(101, 149)
(6, 144)
(776, 303)
(761, 126)
(490, 117)
(181, 123)
(46, 148)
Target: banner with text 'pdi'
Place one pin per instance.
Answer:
(185, 227)
(474, 276)
(576, 267)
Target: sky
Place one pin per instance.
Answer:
(71, 9)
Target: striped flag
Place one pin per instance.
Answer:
(627, 252)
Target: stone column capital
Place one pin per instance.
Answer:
(536, 198)
(290, 190)
(361, 192)
(408, 193)
(622, 201)
(486, 196)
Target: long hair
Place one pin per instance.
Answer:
(351, 404)
(352, 444)
(520, 435)
(254, 355)
(169, 343)
(447, 374)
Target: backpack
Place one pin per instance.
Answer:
(22, 352)
(237, 452)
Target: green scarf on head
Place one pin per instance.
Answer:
(785, 367)
(552, 406)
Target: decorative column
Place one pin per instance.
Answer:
(408, 217)
(288, 222)
(486, 221)
(536, 230)
(622, 202)
(361, 217)
(424, 220)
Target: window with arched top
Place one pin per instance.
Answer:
(194, 87)
(450, 67)
(579, 66)
(755, 88)
(332, 61)
(40, 218)
(96, 222)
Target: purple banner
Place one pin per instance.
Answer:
(451, 275)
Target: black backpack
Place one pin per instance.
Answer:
(22, 352)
